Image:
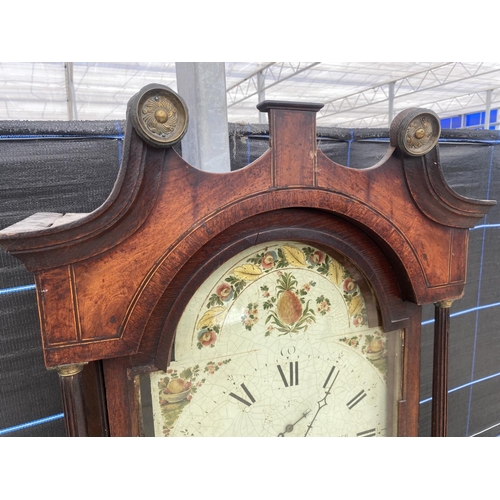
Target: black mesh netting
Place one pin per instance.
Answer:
(71, 167)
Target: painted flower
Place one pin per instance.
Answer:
(207, 337)
(349, 285)
(268, 260)
(225, 292)
(250, 317)
(323, 304)
(316, 258)
(359, 320)
(323, 307)
(211, 368)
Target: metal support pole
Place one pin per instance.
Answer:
(70, 91)
(203, 87)
(261, 94)
(488, 109)
(440, 369)
(391, 102)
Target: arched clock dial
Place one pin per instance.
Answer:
(276, 343)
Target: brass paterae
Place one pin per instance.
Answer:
(415, 131)
(159, 115)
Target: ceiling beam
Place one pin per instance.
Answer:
(467, 103)
(408, 85)
(445, 108)
(274, 73)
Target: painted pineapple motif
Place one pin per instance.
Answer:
(289, 308)
(292, 314)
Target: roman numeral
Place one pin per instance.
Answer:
(366, 434)
(356, 399)
(329, 376)
(243, 400)
(294, 374)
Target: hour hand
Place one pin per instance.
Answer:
(289, 427)
(322, 402)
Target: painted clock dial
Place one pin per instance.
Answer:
(276, 343)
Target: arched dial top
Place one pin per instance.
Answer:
(159, 115)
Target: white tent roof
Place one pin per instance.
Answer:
(354, 94)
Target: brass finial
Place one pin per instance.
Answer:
(444, 304)
(69, 370)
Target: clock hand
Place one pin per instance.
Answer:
(289, 427)
(321, 404)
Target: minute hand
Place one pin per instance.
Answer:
(321, 403)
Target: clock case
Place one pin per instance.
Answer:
(112, 284)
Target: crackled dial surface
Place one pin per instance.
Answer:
(276, 343)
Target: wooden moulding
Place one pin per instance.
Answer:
(100, 276)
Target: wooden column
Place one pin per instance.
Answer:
(440, 371)
(70, 377)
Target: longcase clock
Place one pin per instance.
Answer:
(283, 299)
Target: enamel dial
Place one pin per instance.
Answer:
(276, 342)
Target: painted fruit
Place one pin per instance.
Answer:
(289, 308)
(176, 385)
(376, 345)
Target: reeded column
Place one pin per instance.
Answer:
(70, 377)
(440, 369)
